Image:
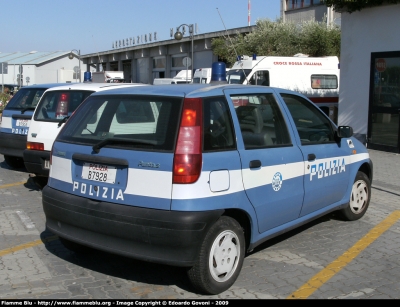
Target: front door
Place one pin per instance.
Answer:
(325, 158)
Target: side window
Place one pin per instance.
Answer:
(218, 128)
(324, 82)
(37, 96)
(260, 78)
(261, 121)
(313, 127)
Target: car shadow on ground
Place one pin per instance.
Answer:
(285, 236)
(32, 183)
(4, 165)
(147, 272)
(121, 267)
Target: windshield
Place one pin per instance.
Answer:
(26, 99)
(125, 121)
(55, 105)
(237, 76)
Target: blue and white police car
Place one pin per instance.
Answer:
(15, 122)
(198, 175)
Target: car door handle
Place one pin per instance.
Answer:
(255, 164)
(311, 157)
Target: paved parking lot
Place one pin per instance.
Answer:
(327, 258)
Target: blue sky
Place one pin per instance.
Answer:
(93, 25)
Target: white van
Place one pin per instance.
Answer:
(202, 75)
(158, 81)
(52, 111)
(182, 77)
(108, 77)
(315, 77)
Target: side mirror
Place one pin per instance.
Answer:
(344, 131)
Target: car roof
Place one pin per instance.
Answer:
(192, 90)
(93, 86)
(42, 85)
(186, 90)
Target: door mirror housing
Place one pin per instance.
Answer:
(344, 131)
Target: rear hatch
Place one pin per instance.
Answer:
(119, 149)
(18, 112)
(55, 108)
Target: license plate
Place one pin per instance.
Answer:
(99, 172)
(22, 123)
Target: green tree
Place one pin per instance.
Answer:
(4, 98)
(280, 39)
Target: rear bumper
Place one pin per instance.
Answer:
(34, 162)
(168, 237)
(12, 144)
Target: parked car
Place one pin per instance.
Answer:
(55, 107)
(16, 120)
(198, 175)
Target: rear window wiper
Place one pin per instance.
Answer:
(63, 120)
(101, 144)
(26, 109)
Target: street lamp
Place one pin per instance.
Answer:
(71, 56)
(179, 35)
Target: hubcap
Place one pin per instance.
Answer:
(224, 256)
(359, 197)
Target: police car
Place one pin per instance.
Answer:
(53, 110)
(198, 175)
(15, 122)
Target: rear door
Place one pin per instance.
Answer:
(52, 109)
(272, 165)
(119, 149)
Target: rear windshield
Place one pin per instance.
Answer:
(25, 99)
(55, 105)
(139, 122)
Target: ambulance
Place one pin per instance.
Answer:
(315, 77)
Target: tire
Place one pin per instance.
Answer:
(74, 247)
(220, 259)
(14, 162)
(359, 198)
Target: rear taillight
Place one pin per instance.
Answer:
(188, 157)
(34, 146)
(62, 106)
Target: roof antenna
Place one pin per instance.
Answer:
(100, 64)
(245, 76)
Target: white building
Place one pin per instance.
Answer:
(149, 59)
(303, 10)
(369, 97)
(40, 67)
